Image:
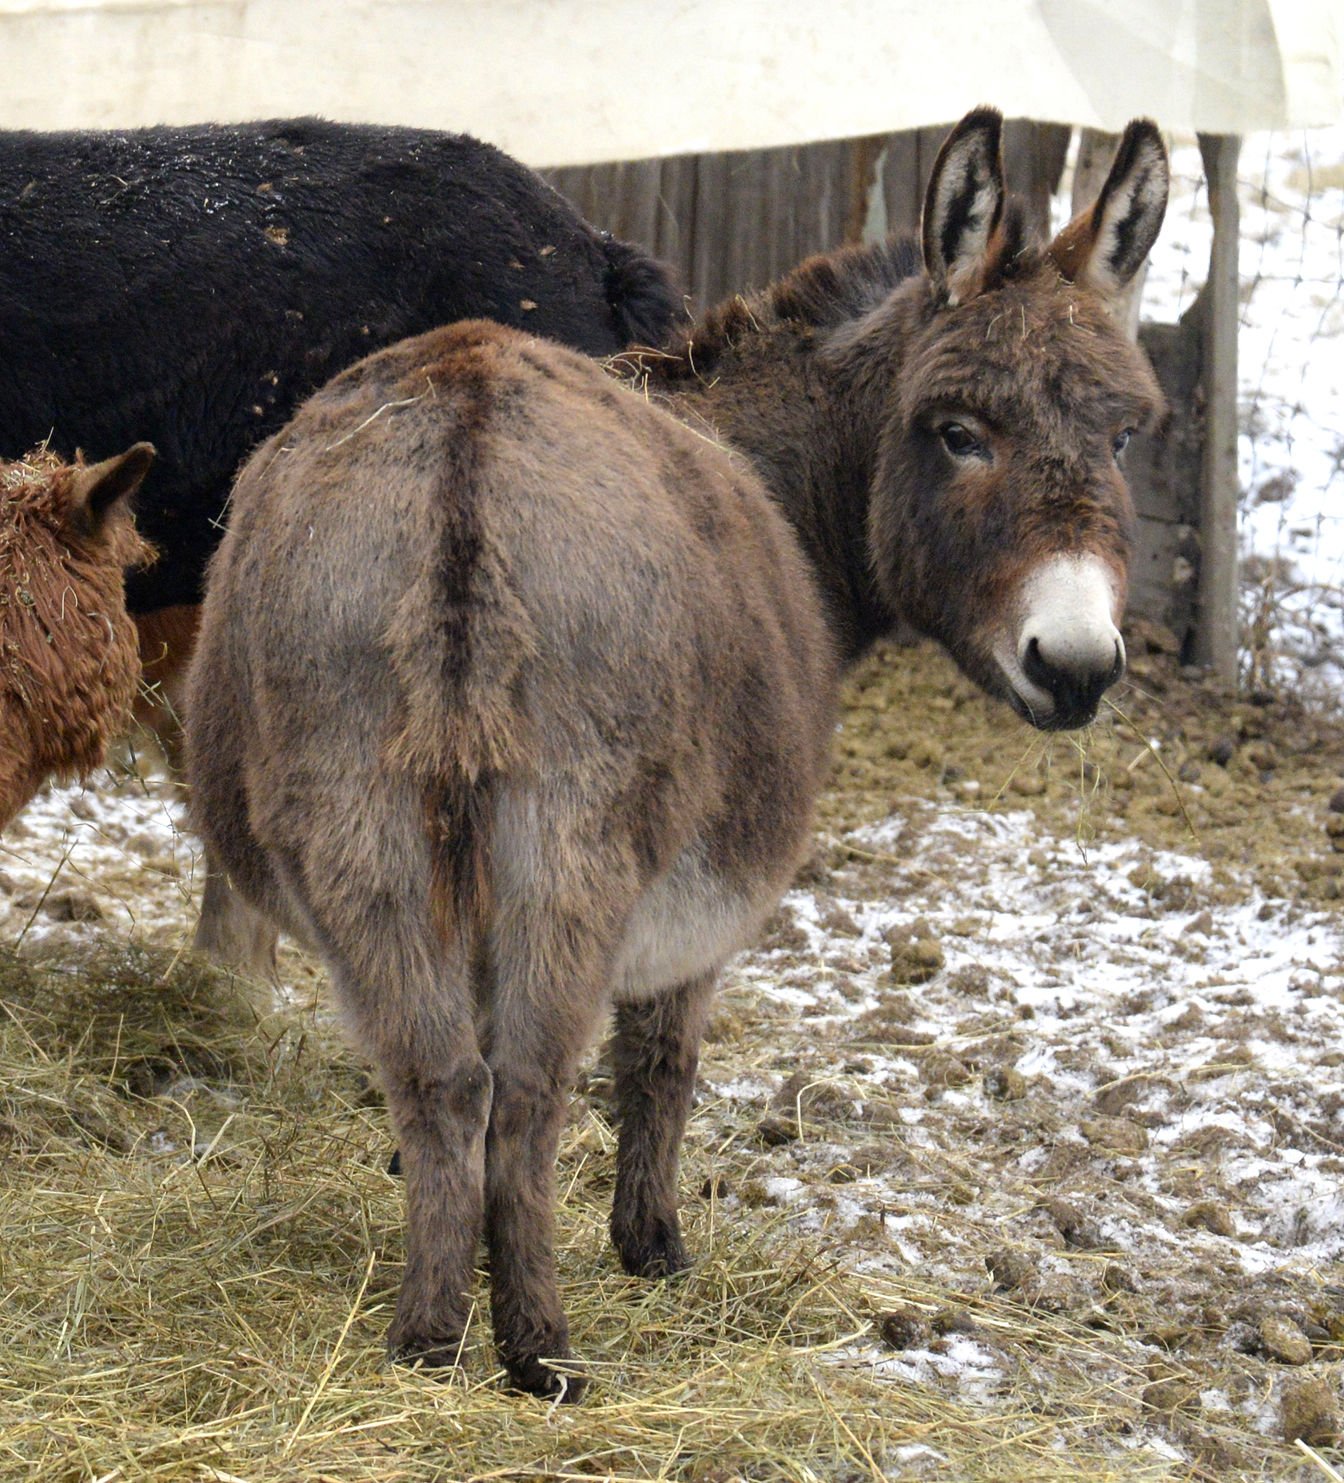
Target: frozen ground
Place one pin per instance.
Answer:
(1063, 1064)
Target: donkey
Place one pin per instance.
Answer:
(532, 718)
(69, 661)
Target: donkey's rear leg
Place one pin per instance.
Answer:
(656, 1050)
(362, 885)
(533, 1065)
(551, 954)
(416, 1019)
(438, 1093)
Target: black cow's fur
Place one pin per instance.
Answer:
(191, 286)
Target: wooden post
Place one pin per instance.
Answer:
(1216, 632)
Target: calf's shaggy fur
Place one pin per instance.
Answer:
(69, 664)
(531, 718)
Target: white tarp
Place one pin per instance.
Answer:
(576, 81)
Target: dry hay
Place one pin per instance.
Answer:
(202, 1244)
(201, 1251)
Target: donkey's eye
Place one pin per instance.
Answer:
(960, 442)
(1121, 441)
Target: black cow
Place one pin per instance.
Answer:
(190, 286)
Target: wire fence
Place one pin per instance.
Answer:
(1291, 393)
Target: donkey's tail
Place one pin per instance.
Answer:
(645, 304)
(461, 636)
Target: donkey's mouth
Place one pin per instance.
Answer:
(1063, 651)
(1067, 704)
(1050, 717)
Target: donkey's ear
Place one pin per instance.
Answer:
(1103, 248)
(97, 489)
(964, 201)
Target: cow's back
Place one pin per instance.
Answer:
(192, 285)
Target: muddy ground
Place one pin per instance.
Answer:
(1126, 1107)
(1045, 1051)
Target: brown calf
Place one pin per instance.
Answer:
(530, 717)
(69, 666)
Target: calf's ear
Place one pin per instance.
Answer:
(99, 488)
(963, 203)
(1103, 247)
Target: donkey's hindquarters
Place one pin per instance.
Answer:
(530, 723)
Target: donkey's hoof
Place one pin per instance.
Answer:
(655, 1251)
(546, 1380)
(439, 1352)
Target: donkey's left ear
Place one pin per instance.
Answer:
(1104, 247)
(963, 203)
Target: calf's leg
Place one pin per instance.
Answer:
(232, 932)
(656, 1050)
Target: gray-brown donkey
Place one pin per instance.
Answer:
(515, 682)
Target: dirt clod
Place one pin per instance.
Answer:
(1005, 1084)
(1078, 1232)
(1009, 1268)
(1114, 1134)
(775, 1131)
(1171, 1391)
(904, 1328)
(916, 955)
(1281, 1339)
(1309, 1409)
(1116, 1278)
(1210, 1215)
(942, 1070)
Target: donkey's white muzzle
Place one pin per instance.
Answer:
(1065, 649)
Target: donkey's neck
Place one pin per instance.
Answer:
(753, 375)
(795, 435)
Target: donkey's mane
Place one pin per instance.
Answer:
(828, 290)
(822, 292)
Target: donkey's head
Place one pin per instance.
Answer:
(1000, 521)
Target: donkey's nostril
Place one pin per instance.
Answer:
(1074, 676)
(1118, 668)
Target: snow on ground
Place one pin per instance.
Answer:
(1128, 967)
(115, 856)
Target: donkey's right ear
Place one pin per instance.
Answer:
(963, 203)
(96, 490)
(1104, 246)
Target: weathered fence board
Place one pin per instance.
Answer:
(731, 222)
